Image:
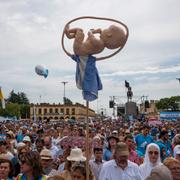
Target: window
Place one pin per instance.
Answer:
(62, 111)
(45, 111)
(67, 111)
(56, 110)
(39, 111)
(50, 110)
(73, 111)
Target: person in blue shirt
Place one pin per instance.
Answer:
(143, 139)
(109, 151)
(21, 134)
(164, 144)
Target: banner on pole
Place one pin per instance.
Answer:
(2, 98)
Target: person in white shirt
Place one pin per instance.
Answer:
(120, 168)
(96, 163)
(48, 145)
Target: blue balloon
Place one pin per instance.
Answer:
(40, 70)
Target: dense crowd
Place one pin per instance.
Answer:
(117, 150)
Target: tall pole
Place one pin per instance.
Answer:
(178, 80)
(64, 83)
(87, 140)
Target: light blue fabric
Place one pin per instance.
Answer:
(107, 155)
(87, 77)
(19, 137)
(142, 142)
(166, 146)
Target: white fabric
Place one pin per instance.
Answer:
(176, 150)
(110, 171)
(54, 150)
(95, 168)
(147, 166)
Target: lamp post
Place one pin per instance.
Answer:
(64, 83)
(178, 79)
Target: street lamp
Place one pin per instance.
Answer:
(178, 79)
(64, 83)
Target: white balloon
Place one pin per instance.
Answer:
(42, 71)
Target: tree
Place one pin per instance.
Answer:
(17, 105)
(12, 109)
(25, 111)
(19, 98)
(67, 101)
(168, 103)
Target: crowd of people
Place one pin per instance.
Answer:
(116, 149)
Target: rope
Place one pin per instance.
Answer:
(99, 18)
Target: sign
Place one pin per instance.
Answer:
(170, 115)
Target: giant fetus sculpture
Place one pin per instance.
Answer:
(112, 38)
(87, 78)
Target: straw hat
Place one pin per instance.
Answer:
(76, 155)
(46, 154)
(122, 149)
(11, 134)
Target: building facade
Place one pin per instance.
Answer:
(151, 111)
(46, 111)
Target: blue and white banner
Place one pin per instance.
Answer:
(170, 115)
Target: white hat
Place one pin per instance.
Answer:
(97, 137)
(115, 132)
(27, 138)
(176, 150)
(76, 155)
(46, 154)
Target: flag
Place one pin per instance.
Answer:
(126, 84)
(2, 99)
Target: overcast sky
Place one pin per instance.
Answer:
(30, 33)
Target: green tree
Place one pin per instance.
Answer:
(19, 98)
(17, 104)
(67, 101)
(11, 110)
(25, 111)
(168, 103)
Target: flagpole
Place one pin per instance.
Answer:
(87, 140)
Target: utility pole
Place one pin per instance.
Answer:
(64, 83)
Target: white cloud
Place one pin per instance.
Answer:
(147, 70)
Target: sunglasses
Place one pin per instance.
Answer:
(153, 152)
(22, 161)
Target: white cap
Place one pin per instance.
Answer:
(27, 138)
(176, 150)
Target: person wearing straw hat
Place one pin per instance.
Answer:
(120, 167)
(46, 162)
(76, 155)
